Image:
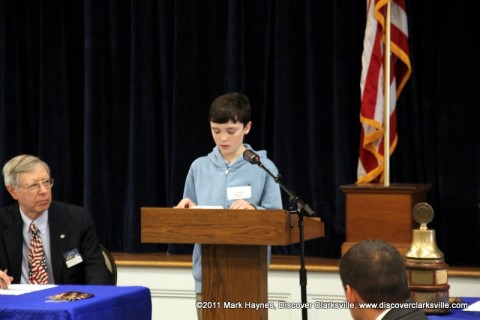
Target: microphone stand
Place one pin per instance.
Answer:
(299, 207)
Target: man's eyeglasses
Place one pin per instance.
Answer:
(34, 187)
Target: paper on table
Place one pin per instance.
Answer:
(17, 289)
(207, 207)
(69, 296)
(473, 307)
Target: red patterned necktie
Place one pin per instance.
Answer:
(36, 259)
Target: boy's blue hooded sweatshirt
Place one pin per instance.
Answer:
(210, 178)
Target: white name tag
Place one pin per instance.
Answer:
(236, 193)
(72, 258)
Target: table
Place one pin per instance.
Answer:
(108, 302)
(458, 314)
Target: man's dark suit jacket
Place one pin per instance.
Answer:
(71, 227)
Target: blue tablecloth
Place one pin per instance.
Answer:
(108, 302)
(458, 314)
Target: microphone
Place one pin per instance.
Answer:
(251, 157)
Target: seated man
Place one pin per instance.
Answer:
(44, 241)
(373, 271)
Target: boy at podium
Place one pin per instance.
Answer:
(223, 178)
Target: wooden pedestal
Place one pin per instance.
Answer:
(235, 277)
(378, 212)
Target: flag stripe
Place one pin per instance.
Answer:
(371, 158)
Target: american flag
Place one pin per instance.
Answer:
(371, 159)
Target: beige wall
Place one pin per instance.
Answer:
(173, 296)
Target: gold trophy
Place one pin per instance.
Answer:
(426, 267)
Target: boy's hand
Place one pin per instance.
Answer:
(242, 205)
(185, 203)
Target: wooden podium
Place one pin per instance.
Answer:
(376, 211)
(234, 252)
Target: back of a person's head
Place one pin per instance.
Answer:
(231, 106)
(376, 270)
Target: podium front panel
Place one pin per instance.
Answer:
(225, 226)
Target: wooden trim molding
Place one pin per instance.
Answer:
(278, 263)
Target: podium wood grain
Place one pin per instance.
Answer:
(234, 251)
(217, 226)
(234, 276)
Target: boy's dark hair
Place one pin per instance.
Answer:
(376, 270)
(230, 106)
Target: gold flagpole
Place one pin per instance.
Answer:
(386, 122)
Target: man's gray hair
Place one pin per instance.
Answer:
(21, 164)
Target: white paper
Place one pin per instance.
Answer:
(18, 289)
(207, 207)
(473, 307)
